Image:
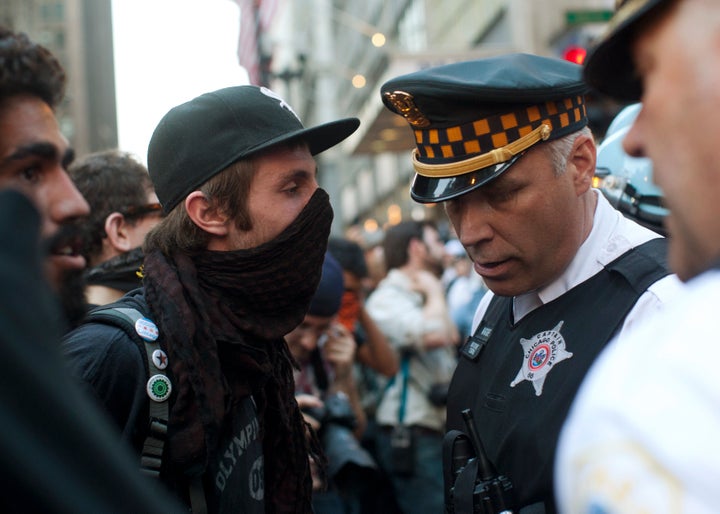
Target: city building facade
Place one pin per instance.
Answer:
(79, 33)
(330, 57)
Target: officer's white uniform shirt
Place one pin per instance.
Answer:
(611, 236)
(644, 432)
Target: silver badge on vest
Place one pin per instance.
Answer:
(540, 353)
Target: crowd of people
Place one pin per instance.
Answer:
(172, 344)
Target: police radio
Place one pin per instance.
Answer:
(472, 486)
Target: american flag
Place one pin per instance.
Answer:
(255, 19)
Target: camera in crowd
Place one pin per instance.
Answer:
(336, 410)
(346, 458)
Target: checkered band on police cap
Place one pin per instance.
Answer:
(472, 120)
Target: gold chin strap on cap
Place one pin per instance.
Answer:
(496, 156)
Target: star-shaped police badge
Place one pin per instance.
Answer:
(540, 353)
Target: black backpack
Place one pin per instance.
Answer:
(146, 335)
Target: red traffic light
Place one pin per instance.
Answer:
(575, 54)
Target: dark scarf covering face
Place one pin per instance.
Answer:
(223, 316)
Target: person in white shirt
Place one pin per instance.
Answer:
(642, 435)
(409, 307)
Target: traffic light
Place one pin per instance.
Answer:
(574, 53)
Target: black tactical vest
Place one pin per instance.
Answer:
(520, 379)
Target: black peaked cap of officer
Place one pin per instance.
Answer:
(472, 120)
(609, 67)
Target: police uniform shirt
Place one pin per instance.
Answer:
(642, 435)
(519, 425)
(611, 236)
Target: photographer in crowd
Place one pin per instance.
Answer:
(409, 307)
(326, 391)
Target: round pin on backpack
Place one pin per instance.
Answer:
(146, 329)
(159, 388)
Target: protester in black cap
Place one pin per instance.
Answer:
(228, 272)
(503, 142)
(58, 454)
(123, 209)
(642, 433)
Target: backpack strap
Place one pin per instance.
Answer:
(145, 334)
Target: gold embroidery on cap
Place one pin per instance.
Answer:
(433, 137)
(447, 151)
(564, 120)
(405, 104)
(478, 162)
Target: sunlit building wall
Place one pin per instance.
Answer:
(331, 57)
(79, 33)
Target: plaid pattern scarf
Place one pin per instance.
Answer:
(223, 316)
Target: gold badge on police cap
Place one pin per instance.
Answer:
(405, 104)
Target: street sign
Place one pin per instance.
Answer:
(581, 17)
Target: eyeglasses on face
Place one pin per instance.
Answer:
(138, 211)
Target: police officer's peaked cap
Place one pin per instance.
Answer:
(609, 66)
(473, 120)
(198, 139)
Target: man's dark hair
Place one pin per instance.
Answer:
(228, 191)
(29, 68)
(350, 255)
(111, 181)
(397, 240)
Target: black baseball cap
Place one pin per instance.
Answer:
(198, 139)
(472, 120)
(609, 67)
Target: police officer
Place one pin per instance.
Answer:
(642, 435)
(503, 143)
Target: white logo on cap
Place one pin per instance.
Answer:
(280, 99)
